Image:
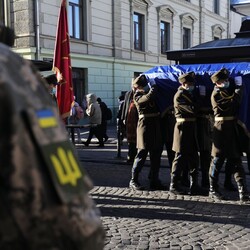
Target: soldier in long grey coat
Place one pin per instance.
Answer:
(225, 99)
(148, 133)
(44, 201)
(185, 138)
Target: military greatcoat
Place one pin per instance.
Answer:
(148, 126)
(225, 103)
(185, 137)
(44, 201)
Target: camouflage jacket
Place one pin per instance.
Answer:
(44, 190)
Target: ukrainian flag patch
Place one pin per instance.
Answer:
(46, 118)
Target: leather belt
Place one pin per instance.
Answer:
(185, 119)
(149, 115)
(225, 118)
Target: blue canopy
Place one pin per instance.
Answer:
(166, 77)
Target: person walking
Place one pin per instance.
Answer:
(95, 118)
(148, 133)
(185, 142)
(119, 122)
(103, 126)
(74, 119)
(225, 99)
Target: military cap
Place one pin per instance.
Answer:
(51, 79)
(187, 77)
(222, 74)
(140, 81)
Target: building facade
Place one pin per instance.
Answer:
(113, 41)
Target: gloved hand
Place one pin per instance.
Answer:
(151, 83)
(238, 80)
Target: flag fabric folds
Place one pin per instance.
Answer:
(62, 64)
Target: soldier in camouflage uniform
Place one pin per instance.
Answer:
(44, 190)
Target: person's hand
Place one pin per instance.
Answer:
(238, 80)
(151, 83)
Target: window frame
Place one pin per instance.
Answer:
(217, 7)
(164, 38)
(189, 37)
(74, 20)
(187, 23)
(139, 31)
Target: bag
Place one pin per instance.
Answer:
(109, 114)
(79, 112)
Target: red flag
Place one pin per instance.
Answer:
(62, 64)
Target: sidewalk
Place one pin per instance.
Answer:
(157, 219)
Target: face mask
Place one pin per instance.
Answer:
(190, 88)
(225, 85)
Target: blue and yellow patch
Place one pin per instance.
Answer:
(46, 118)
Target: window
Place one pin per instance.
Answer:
(217, 6)
(165, 36)
(79, 83)
(2, 11)
(138, 20)
(187, 29)
(76, 19)
(186, 38)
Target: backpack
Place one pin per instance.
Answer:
(109, 114)
(79, 114)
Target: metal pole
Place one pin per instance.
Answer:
(118, 140)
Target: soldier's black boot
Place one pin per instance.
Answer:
(243, 194)
(195, 189)
(174, 187)
(214, 190)
(134, 183)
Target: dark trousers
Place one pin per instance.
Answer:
(234, 166)
(182, 160)
(97, 131)
(155, 160)
(170, 153)
(132, 151)
(103, 129)
(205, 161)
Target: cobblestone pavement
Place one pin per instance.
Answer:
(156, 219)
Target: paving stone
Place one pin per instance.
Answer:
(157, 219)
